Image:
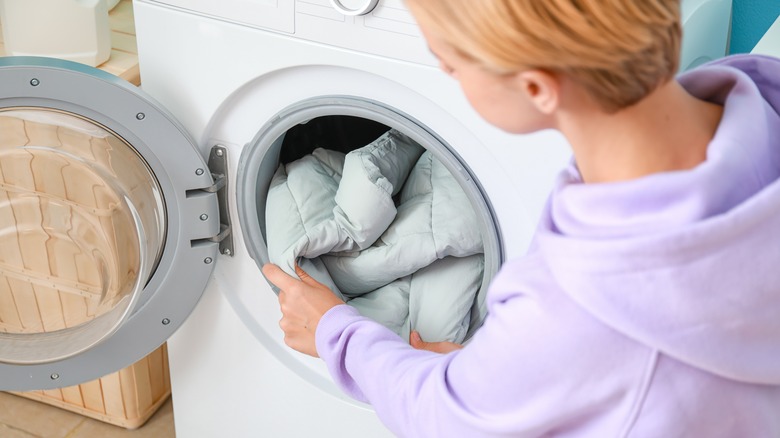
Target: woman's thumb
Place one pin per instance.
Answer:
(277, 276)
(305, 277)
(415, 340)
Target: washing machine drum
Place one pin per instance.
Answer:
(82, 226)
(387, 228)
(373, 204)
(109, 223)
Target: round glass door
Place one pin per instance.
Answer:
(82, 227)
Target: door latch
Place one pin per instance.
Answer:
(218, 165)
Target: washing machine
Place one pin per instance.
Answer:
(124, 208)
(244, 80)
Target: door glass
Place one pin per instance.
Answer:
(82, 226)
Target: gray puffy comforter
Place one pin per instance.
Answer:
(385, 226)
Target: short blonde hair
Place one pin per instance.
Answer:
(617, 50)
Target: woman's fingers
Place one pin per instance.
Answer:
(283, 280)
(302, 302)
(437, 347)
(279, 278)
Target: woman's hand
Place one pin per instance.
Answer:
(437, 347)
(303, 302)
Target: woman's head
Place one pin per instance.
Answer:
(618, 51)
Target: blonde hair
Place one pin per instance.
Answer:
(617, 50)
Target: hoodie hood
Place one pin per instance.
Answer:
(687, 262)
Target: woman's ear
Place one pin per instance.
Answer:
(542, 88)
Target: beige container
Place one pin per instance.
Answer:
(127, 398)
(76, 30)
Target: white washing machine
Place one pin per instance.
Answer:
(239, 76)
(242, 79)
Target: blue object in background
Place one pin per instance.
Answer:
(749, 22)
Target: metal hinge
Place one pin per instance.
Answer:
(218, 165)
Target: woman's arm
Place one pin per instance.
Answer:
(537, 364)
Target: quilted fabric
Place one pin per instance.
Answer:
(414, 265)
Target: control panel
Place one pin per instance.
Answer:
(378, 27)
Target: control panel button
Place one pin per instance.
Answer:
(354, 7)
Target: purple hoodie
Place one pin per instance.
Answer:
(648, 308)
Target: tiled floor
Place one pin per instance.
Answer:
(23, 418)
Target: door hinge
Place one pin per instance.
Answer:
(218, 165)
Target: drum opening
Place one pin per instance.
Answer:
(334, 141)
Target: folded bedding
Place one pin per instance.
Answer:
(387, 227)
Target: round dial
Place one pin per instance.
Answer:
(354, 7)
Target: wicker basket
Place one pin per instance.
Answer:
(126, 398)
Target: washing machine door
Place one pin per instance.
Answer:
(109, 223)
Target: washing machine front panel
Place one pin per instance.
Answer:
(265, 108)
(512, 173)
(106, 221)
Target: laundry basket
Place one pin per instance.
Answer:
(127, 398)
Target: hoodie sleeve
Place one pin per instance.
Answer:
(536, 366)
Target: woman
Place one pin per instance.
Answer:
(648, 305)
